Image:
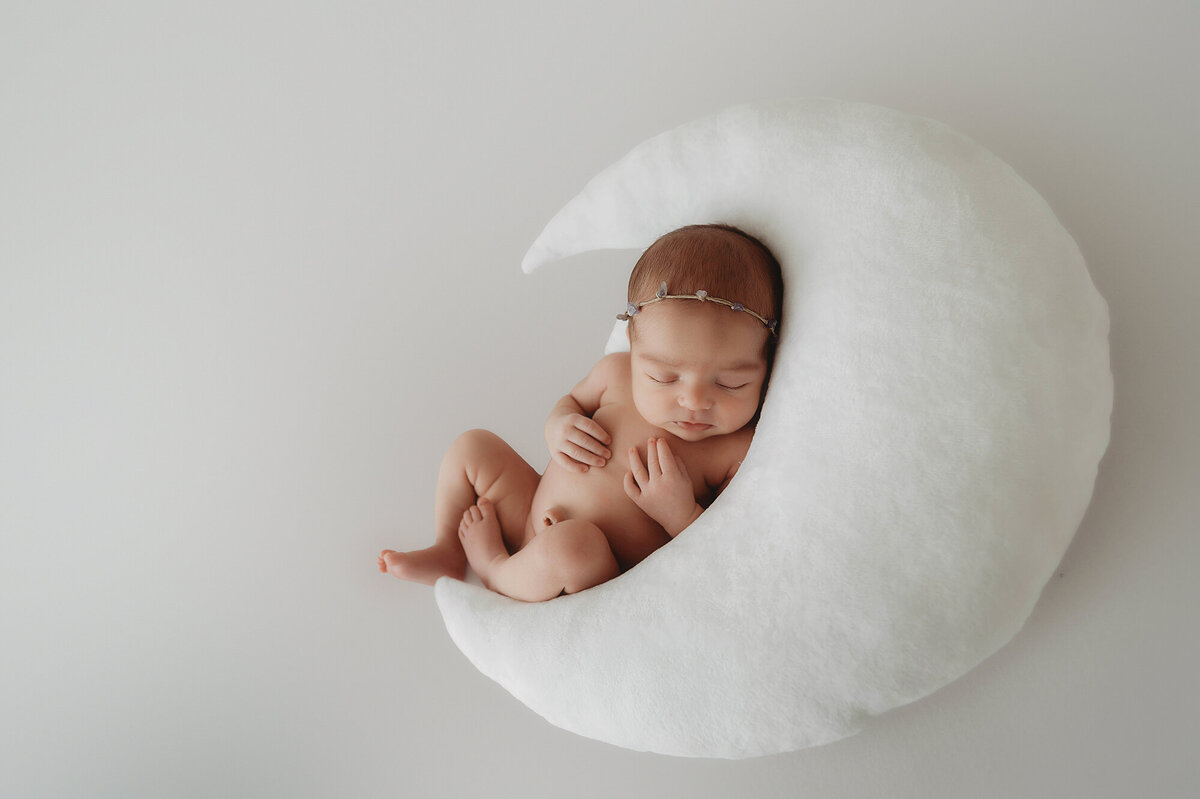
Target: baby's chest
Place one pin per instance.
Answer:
(630, 431)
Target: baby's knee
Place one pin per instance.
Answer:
(580, 553)
(476, 441)
(477, 448)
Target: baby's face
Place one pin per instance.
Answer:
(698, 370)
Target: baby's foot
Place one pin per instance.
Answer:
(481, 538)
(424, 565)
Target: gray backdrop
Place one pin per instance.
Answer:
(259, 266)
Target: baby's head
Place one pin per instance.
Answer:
(700, 368)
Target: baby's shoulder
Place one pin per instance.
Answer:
(616, 363)
(613, 370)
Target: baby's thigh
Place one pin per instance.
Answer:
(497, 472)
(577, 552)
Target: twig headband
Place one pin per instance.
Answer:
(632, 309)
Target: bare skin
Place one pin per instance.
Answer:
(477, 465)
(481, 538)
(638, 449)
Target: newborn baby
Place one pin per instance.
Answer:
(638, 448)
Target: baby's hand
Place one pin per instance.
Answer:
(577, 442)
(662, 487)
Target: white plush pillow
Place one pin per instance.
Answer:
(928, 445)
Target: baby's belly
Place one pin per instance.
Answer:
(598, 496)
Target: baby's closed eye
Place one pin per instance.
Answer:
(729, 385)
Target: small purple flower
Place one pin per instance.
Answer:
(702, 295)
(662, 290)
(737, 306)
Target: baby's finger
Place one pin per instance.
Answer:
(632, 489)
(593, 428)
(586, 442)
(666, 458)
(637, 469)
(652, 464)
(578, 453)
(564, 460)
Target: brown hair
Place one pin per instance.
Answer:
(721, 259)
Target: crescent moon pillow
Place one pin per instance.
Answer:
(927, 447)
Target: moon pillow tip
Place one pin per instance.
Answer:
(929, 443)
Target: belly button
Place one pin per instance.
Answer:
(552, 516)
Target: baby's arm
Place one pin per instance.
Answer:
(574, 439)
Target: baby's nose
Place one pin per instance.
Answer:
(695, 398)
(552, 516)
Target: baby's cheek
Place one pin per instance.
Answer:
(744, 411)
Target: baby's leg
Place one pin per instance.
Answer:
(566, 557)
(478, 464)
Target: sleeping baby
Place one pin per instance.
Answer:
(638, 448)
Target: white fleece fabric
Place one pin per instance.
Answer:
(927, 448)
